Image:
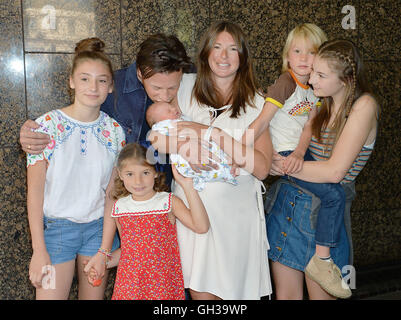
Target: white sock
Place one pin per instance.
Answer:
(327, 259)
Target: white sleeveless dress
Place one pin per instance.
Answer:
(230, 260)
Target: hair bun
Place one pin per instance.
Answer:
(89, 44)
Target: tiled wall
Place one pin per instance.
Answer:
(36, 41)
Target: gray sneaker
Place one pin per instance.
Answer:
(328, 276)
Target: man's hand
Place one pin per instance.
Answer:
(32, 142)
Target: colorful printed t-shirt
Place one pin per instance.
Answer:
(80, 159)
(294, 100)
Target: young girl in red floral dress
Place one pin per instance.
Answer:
(149, 267)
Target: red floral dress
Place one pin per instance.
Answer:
(150, 265)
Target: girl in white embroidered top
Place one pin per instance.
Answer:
(67, 181)
(149, 267)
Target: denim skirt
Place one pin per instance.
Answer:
(291, 221)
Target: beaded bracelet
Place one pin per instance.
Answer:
(105, 252)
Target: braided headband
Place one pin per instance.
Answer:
(350, 62)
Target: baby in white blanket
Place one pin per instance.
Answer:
(161, 117)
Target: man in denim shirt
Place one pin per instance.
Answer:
(155, 76)
(128, 104)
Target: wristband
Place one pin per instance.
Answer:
(105, 252)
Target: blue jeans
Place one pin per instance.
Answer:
(65, 239)
(331, 213)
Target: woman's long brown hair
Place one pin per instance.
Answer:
(244, 85)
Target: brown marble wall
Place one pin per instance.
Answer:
(37, 40)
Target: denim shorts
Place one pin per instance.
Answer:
(65, 239)
(291, 224)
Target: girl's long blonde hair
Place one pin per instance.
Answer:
(344, 59)
(135, 152)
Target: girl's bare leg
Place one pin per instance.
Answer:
(85, 290)
(316, 292)
(289, 283)
(196, 295)
(322, 251)
(57, 283)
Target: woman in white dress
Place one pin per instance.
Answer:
(230, 260)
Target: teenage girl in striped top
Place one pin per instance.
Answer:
(343, 136)
(289, 111)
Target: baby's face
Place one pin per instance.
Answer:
(167, 111)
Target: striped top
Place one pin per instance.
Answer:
(321, 151)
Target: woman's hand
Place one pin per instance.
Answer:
(197, 153)
(32, 142)
(192, 146)
(37, 267)
(186, 140)
(115, 258)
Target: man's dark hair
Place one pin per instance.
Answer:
(162, 53)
